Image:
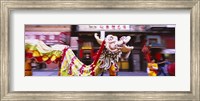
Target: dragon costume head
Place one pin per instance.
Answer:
(112, 52)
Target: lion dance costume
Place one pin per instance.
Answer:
(106, 58)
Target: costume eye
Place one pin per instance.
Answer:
(111, 38)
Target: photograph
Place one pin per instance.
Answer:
(99, 50)
(105, 50)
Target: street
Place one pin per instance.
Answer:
(54, 72)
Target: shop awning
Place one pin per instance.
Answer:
(168, 51)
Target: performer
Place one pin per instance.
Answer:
(112, 52)
(106, 59)
(152, 68)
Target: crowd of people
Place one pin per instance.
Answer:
(158, 63)
(162, 66)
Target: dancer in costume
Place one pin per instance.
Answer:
(112, 52)
(106, 59)
(152, 68)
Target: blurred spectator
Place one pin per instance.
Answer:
(171, 67)
(42, 65)
(87, 59)
(34, 64)
(167, 63)
(161, 65)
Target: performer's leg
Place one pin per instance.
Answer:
(102, 73)
(28, 68)
(112, 70)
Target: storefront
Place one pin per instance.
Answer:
(81, 40)
(50, 35)
(88, 46)
(161, 38)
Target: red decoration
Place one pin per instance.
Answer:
(39, 59)
(63, 54)
(93, 73)
(48, 61)
(98, 54)
(28, 55)
(81, 53)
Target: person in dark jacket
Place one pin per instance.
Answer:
(161, 65)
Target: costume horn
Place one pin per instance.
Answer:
(98, 39)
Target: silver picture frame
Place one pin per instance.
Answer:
(6, 7)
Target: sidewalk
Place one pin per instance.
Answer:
(54, 72)
(45, 72)
(122, 73)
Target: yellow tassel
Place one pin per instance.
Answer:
(36, 54)
(45, 58)
(53, 58)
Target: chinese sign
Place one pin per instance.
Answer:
(103, 27)
(48, 37)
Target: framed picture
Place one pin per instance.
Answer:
(27, 19)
